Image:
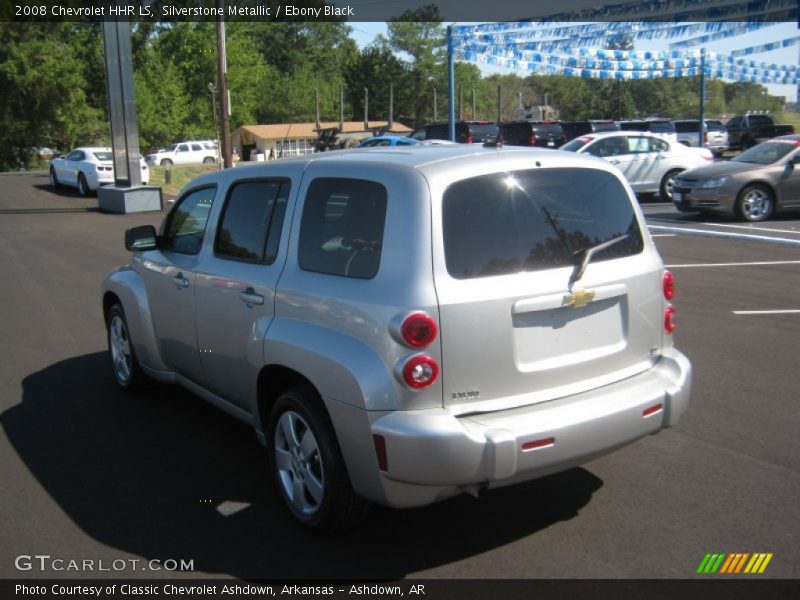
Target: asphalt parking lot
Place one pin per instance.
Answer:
(87, 472)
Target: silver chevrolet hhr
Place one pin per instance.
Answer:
(403, 325)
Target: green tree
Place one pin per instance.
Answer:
(419, 35)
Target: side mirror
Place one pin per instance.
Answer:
(141, 238)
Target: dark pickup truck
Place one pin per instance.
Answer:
(745, 131)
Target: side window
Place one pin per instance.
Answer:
(187, 223)
(75, 155)
(637, 145)
(197, 148)
(253, 214)
(183, 148)
(419, 134)
(611, 146)
(341, 231)
(658, 145)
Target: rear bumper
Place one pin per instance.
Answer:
(433, 454)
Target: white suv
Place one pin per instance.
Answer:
(186, 153)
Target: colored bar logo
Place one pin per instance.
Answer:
(732, 564)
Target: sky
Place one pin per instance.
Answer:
(365, 33)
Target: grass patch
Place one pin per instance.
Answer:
(789, 118)
(181, 175)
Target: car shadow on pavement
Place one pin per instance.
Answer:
(164, 475)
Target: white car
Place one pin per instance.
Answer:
(650, 162)
(186, 153)
(87, 169)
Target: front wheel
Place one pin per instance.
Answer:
(667, 186)
(123, 359)
(307, 464)
(755, 203)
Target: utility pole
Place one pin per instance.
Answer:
(474, 112)
(366, 109)
(222, 74)
(435, 113)
(499, 104)
(391, 105)
(451, 85)
(701, 142)
(460, 101)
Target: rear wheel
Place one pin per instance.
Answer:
(83, 187)
(755, 203)
(208, 160)
(668, 184)
(165, 162)
(307, 464)
(54, 178)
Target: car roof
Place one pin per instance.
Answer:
(93, 149)
(415, 158)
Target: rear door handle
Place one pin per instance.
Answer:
(181, 281)
(249, 297)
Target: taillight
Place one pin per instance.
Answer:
(380, 452)
(418, 330)
(469, 139)
(669, 319)
(420, 371)
(705, 137)
(533, 139)
(669, 285)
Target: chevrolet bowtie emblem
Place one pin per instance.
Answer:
(578, 298)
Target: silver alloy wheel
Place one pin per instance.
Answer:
(756, 204)
(669, 185)
(83, 188)
(120, 344)
(299, 463)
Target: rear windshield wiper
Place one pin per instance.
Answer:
(583, 257)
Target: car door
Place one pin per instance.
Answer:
(640, 163)
(789, 181)
(69, 173)
(169, 276)
(196, 155)
(614, 149)
(235, 287)
(183, 154)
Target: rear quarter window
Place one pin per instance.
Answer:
(341, 231)
(532, 220)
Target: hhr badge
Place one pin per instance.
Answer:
(578, 298)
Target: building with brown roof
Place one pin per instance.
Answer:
(292, 139)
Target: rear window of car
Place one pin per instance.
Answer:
(341, 231)
(483, 133)
(535, 219)
(576, 144)
(102, 155)
(605, 126)
(662, 127)
(687, 126)
(548, 129)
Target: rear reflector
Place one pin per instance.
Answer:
(652, 410)
(420, 371)
(380, 452)
(669, 319)
(536, 444)
(669, 285)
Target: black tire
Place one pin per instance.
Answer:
(311, 467)
(755, 203)
(165, 162)
(665, 188)
(124, 364)
(209, 161)
(54, 179)
(83, 187)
